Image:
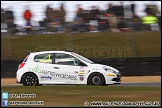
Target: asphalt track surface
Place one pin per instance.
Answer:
(153, 84)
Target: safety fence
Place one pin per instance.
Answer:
(141, 66)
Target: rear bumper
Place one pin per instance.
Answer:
(18, 78)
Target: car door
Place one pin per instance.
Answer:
(68, 69)
(42, 67)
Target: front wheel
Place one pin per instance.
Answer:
(30, 79)
(96, 79)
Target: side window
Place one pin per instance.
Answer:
(66, 59)
(43, 58)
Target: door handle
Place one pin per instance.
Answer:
(75, 72)
(56, 67)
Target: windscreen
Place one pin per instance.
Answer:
(83, 58)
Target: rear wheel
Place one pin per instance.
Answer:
(96, 79)
(30, 79)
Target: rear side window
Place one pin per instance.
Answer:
(43, 58)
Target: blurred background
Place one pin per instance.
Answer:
(55, 17)
(37, 17)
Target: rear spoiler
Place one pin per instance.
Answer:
(67, 50)
(28, 53)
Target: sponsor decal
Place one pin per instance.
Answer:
(46, 77)
(110, 74)
(81, 72)
(45, 72)
(81, 67)
(35, 69)
(80, 75)
(66, 76)
(81, 78)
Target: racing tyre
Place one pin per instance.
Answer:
(30, 79)
(96, 79)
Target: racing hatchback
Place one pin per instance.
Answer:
(64, 67)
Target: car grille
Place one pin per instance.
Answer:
(117, 79)
(118, 76)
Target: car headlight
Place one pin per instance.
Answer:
(109, 70)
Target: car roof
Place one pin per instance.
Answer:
(42, 52)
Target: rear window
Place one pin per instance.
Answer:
(44, 58)
(26, 58)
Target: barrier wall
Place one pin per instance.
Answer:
(144, 66)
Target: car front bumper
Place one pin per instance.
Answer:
(116, 79)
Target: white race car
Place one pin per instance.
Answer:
(64, 67)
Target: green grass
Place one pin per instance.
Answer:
(77, 95)
(90, 45)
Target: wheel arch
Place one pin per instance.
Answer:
(27, 73)
(96, 73)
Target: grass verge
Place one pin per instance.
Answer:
(76, 95)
